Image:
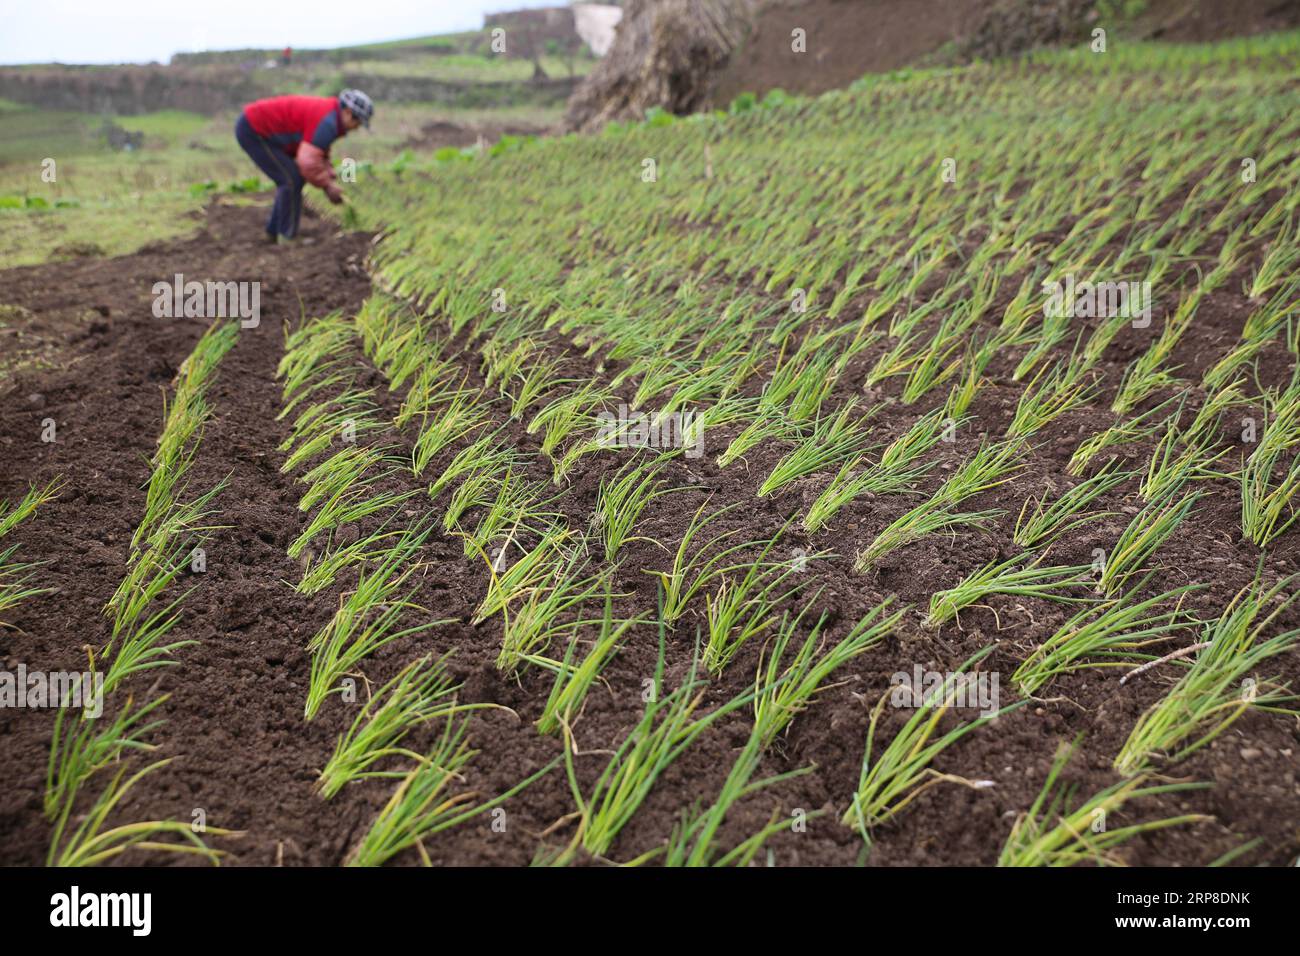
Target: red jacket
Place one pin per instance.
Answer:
(304, 127)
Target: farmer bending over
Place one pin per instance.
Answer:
(289, 138)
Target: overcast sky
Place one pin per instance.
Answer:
(137, 31)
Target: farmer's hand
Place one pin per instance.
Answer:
(334, 193)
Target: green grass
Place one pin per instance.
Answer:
(421, 692)
(422, 805)
(829, 443)
(1270, 477)
(1220, 685)
(18, 578)
(448, 41)
(1044, 523)
(993, 464)
(668, 726)
(694, 841)
(112, 228)
(1116, 633)
(92, 841)
(1019, 576)
(110, 203)
(31, 135)
(574, 677)
(80, 748)
(169, 127)
(1052, 832)
(1144, 535)
(368, 619)
(783, 689)
(745, 604)
(469, 68)
(620, 502)
(116, 201)
(894, 775)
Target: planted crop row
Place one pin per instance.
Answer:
(881, 320)
(336, 429)
(17, 577)
(90, 749)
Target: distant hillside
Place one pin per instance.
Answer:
(541, 65)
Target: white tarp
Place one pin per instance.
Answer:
(595, 23)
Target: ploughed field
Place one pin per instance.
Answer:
(902, 476)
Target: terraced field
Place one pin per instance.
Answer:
(902, 476)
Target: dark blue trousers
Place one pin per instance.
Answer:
(282, 170)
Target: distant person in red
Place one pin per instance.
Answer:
(286, 56)
(289, 138)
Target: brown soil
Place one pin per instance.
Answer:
(234, 720)
(845, 39)
(442, 133)
(1196, 21)
(232, 714)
